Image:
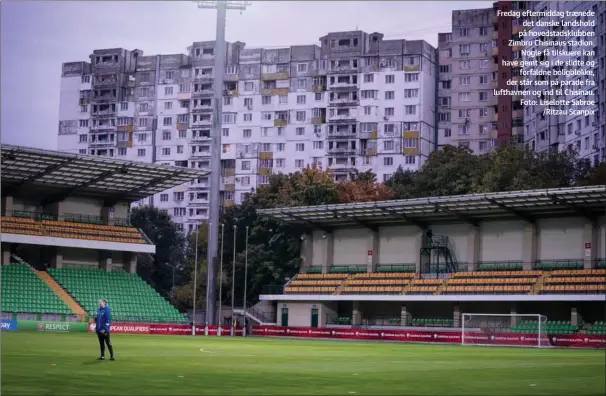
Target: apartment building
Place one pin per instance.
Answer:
(356, 101)
(583, 133)
(470, 68)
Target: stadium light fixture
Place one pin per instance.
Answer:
(215, 177)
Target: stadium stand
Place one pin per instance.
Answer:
(24, 291)
(432, 322)
(551, 327)
(311, 283)
(129, 296)
(373, 283)
(597, 328)
(17, 225)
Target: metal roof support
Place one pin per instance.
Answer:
(327, 230)
(513, 211)
(404, 217)
(64, 194)
(465, 218)
(11, 189)
(139, 189)
(364, 224)
(580, 211)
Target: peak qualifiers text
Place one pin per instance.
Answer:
(542, 14)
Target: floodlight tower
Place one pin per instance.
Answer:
(215, 163)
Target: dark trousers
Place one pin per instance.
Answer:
(103, 340)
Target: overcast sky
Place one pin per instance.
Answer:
(37, 36)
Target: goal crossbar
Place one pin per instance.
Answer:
(483, 329)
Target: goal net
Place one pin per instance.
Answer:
(528, 330)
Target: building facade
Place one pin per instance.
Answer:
(583, 133)
(356, 101)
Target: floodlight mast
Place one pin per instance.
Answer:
(215, 166)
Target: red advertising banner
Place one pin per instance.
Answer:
(167, 329)
(124, 328)
(449, 337)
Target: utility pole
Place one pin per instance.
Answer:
(215, 166)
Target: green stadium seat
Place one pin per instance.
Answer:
(129, 296)
(24, 292)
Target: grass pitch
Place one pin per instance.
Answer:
(64, 364)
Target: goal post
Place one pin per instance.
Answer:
(528, 330)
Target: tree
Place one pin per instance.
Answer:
(170, 244)
(363, 191)
(402, 183)
(368, 176)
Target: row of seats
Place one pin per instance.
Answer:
(324, 282)
(582, 272)
(309, 290)
(495, 274)
(129, 296)
(24, 291)
(576, 279)
(547, 289)
(385, 275)
(372, 290)
(598, 328)
(432, 322)
(492, 281)
(487, 289)
(66, 229)
(377, 282)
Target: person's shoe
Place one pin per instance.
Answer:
(112, 358)
(101, 358)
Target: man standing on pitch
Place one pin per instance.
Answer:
(103, 322)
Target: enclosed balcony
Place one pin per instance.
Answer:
(202, 105)
(104, 110)
(343, 99)
(343, 82)
(203, 89)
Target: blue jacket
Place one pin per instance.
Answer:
(103, 320)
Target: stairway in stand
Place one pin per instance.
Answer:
(63, 295)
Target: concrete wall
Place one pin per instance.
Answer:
(397, 245)
(299, 313)
(501, 241)
(561, 239)
(457, 233)
(350, 247)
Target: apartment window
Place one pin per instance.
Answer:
(390, 95)
(464, 113)
(465, 80)
(266, 100)
(225, 132)
(369, 94)
(410, 109)
(318, 145)
(184, 88)
(124, 106)
(390, 79)
(464, 49)
(464, 97)
(140, 152)
(411, 93)
(299, 163)
(300, 116)
(483, 63)
(280, 162)
(484, 48)
(483, 129)
(388, 161)
(167, 121)
(300, 147)
(229, 118)
(83, 138)
(84, 109)
(484, 112)
(444, 68)
(245, 181)
(85, 79)
(168, 105)
(300, 131)
(227, 100)
(163, 197)
(300, 99)
(249, 86)
(388, 145)
(166, 151)
(317, 129)
(369, 78)
(266, 116)
(410, 160)
(248, 102)
(410, 143)
(464, 64)
(483, 79)
(245, 165)
(389, 129)
(143, 122)
(83, 123)
(411, 77)
(143, 107)
(447, 132)
(144, 92)
(248, 117)
(265, 131)
(302, 68)
(301, 83)
(283, 99)
(247, 133)
(280, 146)
(165, 135)
(142, 137)
(266, 147)
(121, 152)
(483, 96)
(386, 177)
(483, 31)
(318, 96)
(463, 32)
(367, 110)
(168, 91)
(389, 112)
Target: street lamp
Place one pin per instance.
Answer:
(215, 176)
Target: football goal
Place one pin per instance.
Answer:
(529, 330)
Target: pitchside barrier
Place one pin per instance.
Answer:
(429, 336)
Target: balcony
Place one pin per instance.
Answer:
(368, 152)
(495, 51)
(102, 143)
(342, 151)
(341, 118)
(231, 77)
(342, 135)
(207, 121)
(201, 154)
(318, 120)
(105, 99)
(367, 135)
(344, 102)
(228, 187)
(125, 128)
(410, 151)
(411, 68)
(410, 134)
(202, 108)
(264, 171)
(204, 92)
(198, 138)
(318, 88)
(275, 91)
(103, 128)
(349, 85)
(105, 82)
(228, 172)
(182, 126)
(84, 101)
(344, 69)
(232, 93)
(274, 76)
(280, 123)
(104, 113)
(266, 155)
(183, 95)
(204, 77)
(494, 84)
(228, 203)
